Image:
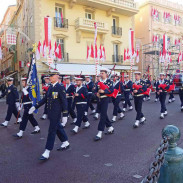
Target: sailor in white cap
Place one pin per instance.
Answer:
(127, 90)
(12, 99)
(161, 87)
(27, 104)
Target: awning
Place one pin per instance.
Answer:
(121, 67)
(76, 69)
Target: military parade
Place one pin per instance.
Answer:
(91, 91)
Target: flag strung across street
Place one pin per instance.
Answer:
(33, 83)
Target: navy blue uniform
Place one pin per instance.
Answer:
(171, 93)
(181, 95)
(57, 102)
(162, 96)
(127, 90)
(157, 95)
(103, 104)
(70, 90)
(118, 86)
(98, 103)
(11, 98)
(138, 99)
(89, 87)
(81, 105)
(27, 104)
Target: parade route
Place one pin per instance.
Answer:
(120, 158)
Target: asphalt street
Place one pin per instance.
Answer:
(123, 157)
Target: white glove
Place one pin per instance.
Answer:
(64, 120)
(17, 104)
(25, 91)
(31, 110)
(20, 107)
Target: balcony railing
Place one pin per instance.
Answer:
(117, 31)
(126, 3)
(60, 23)
(117, 58)
(83, 23)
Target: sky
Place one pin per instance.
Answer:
(4, 5)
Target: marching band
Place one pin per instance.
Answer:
(63, 98)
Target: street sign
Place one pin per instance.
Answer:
(177, 71)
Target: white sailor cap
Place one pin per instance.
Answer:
(66, 77)
(9, 79)
(78, 78)
(23, 78)
(87, 76)
(162, 73)
(137, 72)
(47, 77)
(103, 70)
(126, 75)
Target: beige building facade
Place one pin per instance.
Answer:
(156, 18)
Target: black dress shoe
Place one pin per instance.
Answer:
(109, 132)
(72, 123)
(95, 117)
(42, 158)
(43, 118)
(63, 148)
(97, 138)
(35, 132)
(3, 125)
(86, 127)
(112, 121)
(17, 136)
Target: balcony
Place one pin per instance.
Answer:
(60, 24)
(117, 58)
(84, 24)
(125, 7)
(117, 31)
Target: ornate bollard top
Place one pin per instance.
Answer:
(172, 133)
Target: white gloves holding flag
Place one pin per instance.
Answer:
(31, 110)
(24, 90)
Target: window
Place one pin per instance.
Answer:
(88, 15)
(59, 22)
(116, 54)
(61, 42)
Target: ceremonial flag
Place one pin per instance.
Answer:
(44, 49)
(50, 50)
(47, 29)
(59, 51)
(137, 56)
(96, 50)
(131, 43)
(33, 83)
(55, 51)
(103, 54)
(62, 17)
(92, 51)
(1, 55)
(125, 55)
(88, 53)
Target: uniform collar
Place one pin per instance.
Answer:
(54, 84)
(161, 81)
(116, 82)
(103, 81)
(127, 81)
(88, 82)
(78, 88)
(137, 82)
(67, 86)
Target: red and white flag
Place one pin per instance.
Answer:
(44, 49)
(103, 55)
(137, 56)
(92, 51)
(1, 55)
(59, 51)
(50, 50)
(55, 51)
(131, 43)
(62, 17)
(38, 51)
(125, 55)
(47, 29)
(88, 53)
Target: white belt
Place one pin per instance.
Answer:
(81, 103)
(68, 96)
(90, 92)
(27, 103)
(118, 95)
(127, 89)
